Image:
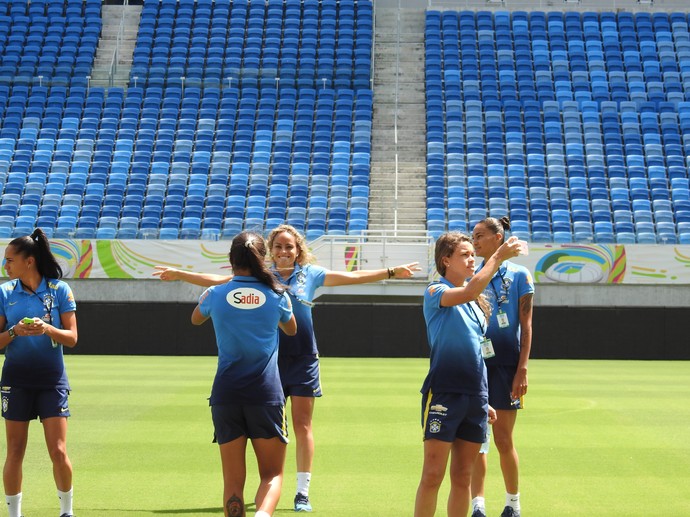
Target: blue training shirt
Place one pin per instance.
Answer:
(510, 283)
(454, 333)
(33, 361)
(302, 285)
(245, 314)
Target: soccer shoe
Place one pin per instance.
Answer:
(302, 503)
(509, 511)
(67, 515)
(478, 512)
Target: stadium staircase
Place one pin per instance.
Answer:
(114, 53)
(399, 104)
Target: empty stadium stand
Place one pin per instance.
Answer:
(573, 124)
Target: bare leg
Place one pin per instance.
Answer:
(17, 434)
(503, 438)
(270, 456)
(478, 476)
(232, 457)
(55, 432)
(302, 409)
(462, 459)
(435, 460)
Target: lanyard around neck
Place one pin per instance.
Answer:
(476, 318)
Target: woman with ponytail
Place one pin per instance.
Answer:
(510, 294)
(298, 358)
(455, 407)
(247, 399)
(38, 317)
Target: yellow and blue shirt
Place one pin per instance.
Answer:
(33, 361)
(245, 314)
(510, 283)
(454, 333)
(302, 285)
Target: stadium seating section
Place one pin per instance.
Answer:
(238, 115)
(576, 125)
(243, 114)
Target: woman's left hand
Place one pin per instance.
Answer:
(493, 416)
(519, 384)
(37, 328)
(405, 270)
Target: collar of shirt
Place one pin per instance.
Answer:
(19, 287)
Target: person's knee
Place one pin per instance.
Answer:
(15, 451)
(504, 443)
(58, 454)
(432, 478)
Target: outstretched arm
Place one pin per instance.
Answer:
(202, 279)
(335, 278)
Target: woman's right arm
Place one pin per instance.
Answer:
(5, 338)
(289, 327)
(476, 285)
(202, 279)
(197, 317)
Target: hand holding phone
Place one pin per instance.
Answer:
(524, 248)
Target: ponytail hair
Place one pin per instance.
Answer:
(37, 246)
(497, 226)
(248, 251)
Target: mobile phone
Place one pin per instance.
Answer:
(523, 248)
(27, 321)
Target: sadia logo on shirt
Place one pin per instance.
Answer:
(246, 298)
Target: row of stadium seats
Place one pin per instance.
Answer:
(566, 163)
(173, 160)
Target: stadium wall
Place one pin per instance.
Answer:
(570, 322)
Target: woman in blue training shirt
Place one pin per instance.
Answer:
(455, 406)
(247, 400)
(510, 293)
(34, 380)
(298, 356)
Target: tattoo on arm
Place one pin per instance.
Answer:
(526, 304)
(234, 506)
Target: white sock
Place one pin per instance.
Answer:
(14, 504)
(513, 500)
(478, 503)
(65, 501)
(262, 514)
(303, 479)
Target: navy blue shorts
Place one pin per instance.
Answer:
(500, 380)
(230, 421)
(24, 404)
(449, 416)
(299, 375)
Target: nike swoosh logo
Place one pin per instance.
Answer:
(12, 303)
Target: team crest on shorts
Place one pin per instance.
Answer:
(435, 426)
(5, 404)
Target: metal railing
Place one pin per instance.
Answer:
(118, 43)
(376, 250)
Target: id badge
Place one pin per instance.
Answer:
(487, 348)
(502, 320)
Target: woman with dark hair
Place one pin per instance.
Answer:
(38, 315)
(455, 408)
(298, 358)
(510, 292)
(247, 400)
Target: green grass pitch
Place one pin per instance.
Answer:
(603, 438)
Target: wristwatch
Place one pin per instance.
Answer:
(10, 331)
